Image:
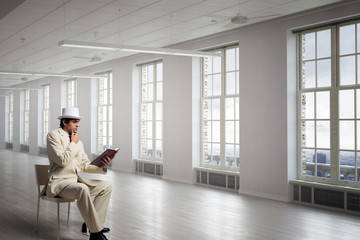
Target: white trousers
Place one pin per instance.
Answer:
(93, 213)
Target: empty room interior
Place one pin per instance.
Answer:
(234, 119)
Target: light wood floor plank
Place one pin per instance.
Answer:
(149, 208)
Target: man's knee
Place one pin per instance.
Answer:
(83, 190)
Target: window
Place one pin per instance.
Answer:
(11, 117)
(151, 104)
(26, 116)
(46, 113)
(220, 110)
(329, 104)
(104, 131)
(71, 93)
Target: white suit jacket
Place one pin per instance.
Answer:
(66, 160)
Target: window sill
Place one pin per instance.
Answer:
(325, 185)
(217, 170)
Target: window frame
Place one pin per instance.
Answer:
(222, 97)
(11, 117)
(109, 116)
(154, 120)
(26, 116)
(71, 94)
(334, 106)
(45, 113)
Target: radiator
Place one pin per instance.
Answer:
(152, 168)
(42, 151)
(8, 145)
(226, 180)
(24, 148)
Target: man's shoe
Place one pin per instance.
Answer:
(84, 229)
(97, 236)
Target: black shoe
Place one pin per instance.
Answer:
(84, 230)
(97, 236)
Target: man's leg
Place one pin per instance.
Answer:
(102, 192)
(81, 192)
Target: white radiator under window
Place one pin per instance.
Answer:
(217, 178)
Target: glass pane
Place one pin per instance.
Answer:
(230, 83)
(230, 59)
(149, 148)
(149, 111)
(237, 83)
(150, 92)
(229, 108)
(159, 72)
(307, 133)
(143, 92)
(308, 75)
(308, 49)
(217, 64)
(207, 110)
(347, 39)
(323, 157)
(229, 153)
(237, 132)
(150, 73)
(159, 91)
(216, 154)
(158, 149)
(358, 69)
(237, 155)
(346, 135)
(216, 131)
(206, 128)
(209, 131)
(324, 73)
(237, 108)
(307, 162)
(158, 111)
(207, 88)
(323, 134)
(358, 38)
(110, 113)
(323, 105)
(217, 85)
(346, 104)
(158, 130)
(307, 105)
(216, 109)
(207, 65)
(323, 43)
(347, 70)
(207, 153)
(105, 94)
(229, 132)
(347, 165)
(358, 135)
(149, 129)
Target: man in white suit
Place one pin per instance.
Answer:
(67, 158)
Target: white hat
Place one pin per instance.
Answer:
(70, 112)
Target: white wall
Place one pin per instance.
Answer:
(267, 103)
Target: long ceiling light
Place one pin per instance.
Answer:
(48, 74)
(129, 48)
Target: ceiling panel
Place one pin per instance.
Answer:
(29, 35)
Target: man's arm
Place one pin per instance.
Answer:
(57, 153)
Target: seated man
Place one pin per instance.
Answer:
(67, 158)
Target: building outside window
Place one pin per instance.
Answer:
(46, 113)
(151, 105)
(329, 104)
(26, 116)
(105, 114)
(220, 110)
(11, 117)
(71, 93)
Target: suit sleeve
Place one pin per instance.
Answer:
(87, 167)
(57, 153)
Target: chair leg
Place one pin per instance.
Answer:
(58, 222)
(37, 216)
(67, 224)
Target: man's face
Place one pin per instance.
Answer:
(72, 125)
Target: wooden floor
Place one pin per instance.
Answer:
(145, 207)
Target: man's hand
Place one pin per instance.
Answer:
(74, 137)
(105, 161)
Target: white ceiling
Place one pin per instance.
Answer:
(30, 32)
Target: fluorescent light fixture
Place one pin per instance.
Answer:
(49, 74)
(77, 44)
(129, 48)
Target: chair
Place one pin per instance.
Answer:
(41, 173)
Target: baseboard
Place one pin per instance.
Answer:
(175, 179)
(264, 195)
